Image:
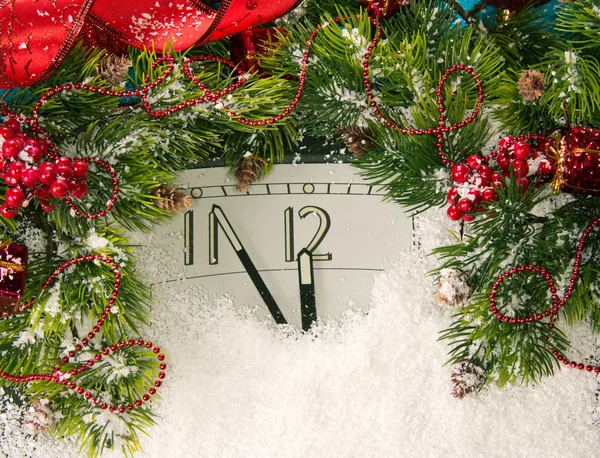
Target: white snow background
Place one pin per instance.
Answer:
(372, 385)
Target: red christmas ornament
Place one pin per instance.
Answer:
(577, 158)
(382, 8)
(142, 24)
(248, 45)
(13, 261)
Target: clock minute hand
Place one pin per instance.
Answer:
(217, 216)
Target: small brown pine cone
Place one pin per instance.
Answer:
(39, 417)
(531, 85)
(358, 139)
(114, 69)
(171, 199)
(466, 378)
(249, 169)
(453, 290)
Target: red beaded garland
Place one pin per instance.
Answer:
(557, 303)
(57, 377)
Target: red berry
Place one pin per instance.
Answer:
(475, 196)
(486, 171)
(465, 205)
(468, 218)
(474, 161)
(6, 132)
(29, 177)
(42, 193)
(451, 196)
(522, 150)
(15, 169)
(523, 184)
(15, 197)
(11, 148)
(63, 172)
(480, 182)
(489, 195)
(62, 160)
(79, 168)
(13, 124)
(454, 213)
(503, 161)
(496, 179)
(43, 146)
(47, 173)
(48, 207)
(505, 142)
(7, 211)
(59, 189)
(34, 153)
(545, 167)
(78, 189)
(461, 173)
(520, 167)
(10, 180)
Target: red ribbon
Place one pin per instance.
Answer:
(35, 36)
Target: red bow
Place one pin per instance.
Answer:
(35, 36)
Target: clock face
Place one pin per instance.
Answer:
(302, 245)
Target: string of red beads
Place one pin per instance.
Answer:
(63, 377)
(557, 302)
(215, 97)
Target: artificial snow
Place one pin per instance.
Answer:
(373, 384)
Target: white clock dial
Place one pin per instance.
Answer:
(303, 244)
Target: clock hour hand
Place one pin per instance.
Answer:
(308, 306)
(216, 216)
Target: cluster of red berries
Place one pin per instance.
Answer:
(28, 177)
(476, 181)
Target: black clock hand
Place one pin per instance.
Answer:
(308, 306)
(217, 216)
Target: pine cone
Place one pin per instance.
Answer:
(114, 68)
(358, 139)
(466, 378)
(531, 85)
(452, 291)
(39, 417)
(171, 199)
(248, 170)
